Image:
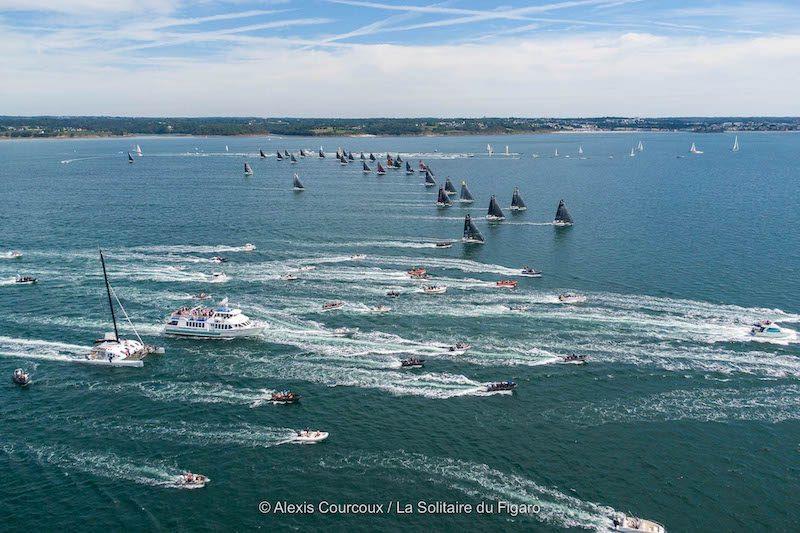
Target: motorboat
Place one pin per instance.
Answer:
(434, 289)
(308, 436)
(768, 329)
(345, 332)
(393, 294)
(507, 284)
(248, 247)
(574, 359)
(306, 268)
(412, 362)
(219, 277)
(444, 244)
(571, 298)
(418, 273)
(530, 273)
(284, 397)
(21, 378)
(518, 308)
(218, 259)
(25, 280)
(330, 306)
(500, 386)
(358, 257)
(194, 481)
(14, 254)
(632, 524)
(220, 322)
(380, 309)
(458, 348)
(201, 296)
(290, 277)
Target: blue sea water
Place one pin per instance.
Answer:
(680, 416)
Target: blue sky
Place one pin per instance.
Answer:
(399, 58)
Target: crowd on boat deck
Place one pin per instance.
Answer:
(194, 311)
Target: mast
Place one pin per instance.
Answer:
(108, 292)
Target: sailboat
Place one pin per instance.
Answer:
(363, 157)
(494, 213)
(112, 350)
(130, 158)
(443, 200)
(580, 150)
(372, 157)
(226, 148)
(302, 153)
(247, 170)
(507, 152)
(262, 154)
(465, 197)
(321, 153)
(279, 155)
(398, 159)
(694, 150)
(516, 201)
(138, 150)
(489, 150)
(397, 165)
(735, 144)
(389, 161)
(297, 185)
(556, 153)
(429, 181)
(562, 215)
(365, 167)
(293, 159)
(342, 160)
(350, 156)
(381, 170)
(409, 170)
(448, 187)
(633, 152)
(471, 233)
(640, 146)
(285, 153)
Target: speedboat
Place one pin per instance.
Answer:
(248, 247)
(219, 277)
(358, 257)
(195, 481)
(20, 377)
(571, 298)
(458, 348)
(574, 359)
(393, 294)
(25, 280)
(530, 273)
(767, 328)
(284, 397)
(412, 362)
(289, 277)
(221, 322)
(14, 254)
(329, 306)
(501, 386)
(434, 289)
(345, 332)
(444, 244)
(507, 283)
(201, 296)
(308, 436)
(418, 273)
(631, 524)
(218, 259)
(380, 309)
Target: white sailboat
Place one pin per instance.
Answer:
(226, 148)
(694, 150)
(489, 149)
(640, 147)
(633, 152)
(735, 144)
(507, 152)
(556, 153)
(580, 150)
(138, 150)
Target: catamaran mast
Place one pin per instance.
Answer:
(108, 291)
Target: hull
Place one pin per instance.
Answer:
(492, 218)
(119, 363)
(210, 334)
(562, 224)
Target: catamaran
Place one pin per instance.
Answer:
(247, 170)
(429, 181)
(365, 167)
(494, 213)
(448, 187)
(409, 170)
(112, 350)
(694, 150)
(471, 233)
(297, 185)
(465, 197)
(562, 215)
(221, 322)
(443, 200)
(138, 150)
(381, 171)
(735, 144)
(516, 201)
(130, 158)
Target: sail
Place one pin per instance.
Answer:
(302, 153)
(381, 170)
(389, 160)
(429, 181)
(286, 153)
(279, 154)
(350, 156)
(138, 150)
(296, 183)
(516, 200)
(294, 159)
(448, 186)
(371, 157)
(640, 146)
(735, 144)
(321, 152)
(507, 152)
(130, 158)
(108, 292)
(562, 215)
(364, 165)
(443, 200)
(556, 153)
(494, 209)
(633, 153)
(247, 169)
(397, 164)
(580, 150)
(409, 170)
(226, 148)
(471, 233)
(489, 149)
(262, 154)
(398, 159)
(465, 196)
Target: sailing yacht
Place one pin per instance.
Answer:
(494, 213)
(365, 167)
(448, 187)
(443, 200)
(516, 201)
(262, 154)
(471, 233)
(694, 150)
(138, 150)
(556, 153)
(640, 147)
(112, 350)
(381, 171)
(429, 181)
(409, 170)
(221, 322)
(507, 152)
(247, 170)
(226, 148)
(285, 152)
(489, 149)
(302, 153)
(321, 153)
(562, 215)
(350, 156)
(363, 157)
(293, 159)
(280, 155)
(130, 158)
(297, 185)
(580, 150)
(372, 157)
(633, 152)
(465, 197)
(735, 144)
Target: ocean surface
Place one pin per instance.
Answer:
(680, 416)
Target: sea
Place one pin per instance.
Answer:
(680, 416)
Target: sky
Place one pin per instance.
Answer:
(400, 58)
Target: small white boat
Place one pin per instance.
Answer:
(345, 332)
(330, 306)
(459, 348)
(768, 329)
(694, 150)
(193, 481)
(218, 259)
(380, 309)
(25, 280)
(444, 244)
(358, 257)
(435, 289)
(219, 277)
(574, 359)
(201, 296)
(631, 524)
(14, 254)
(529, 272)
(21, 378)
(249, 247)
(308, 436)
(571, 298)
(289, 277)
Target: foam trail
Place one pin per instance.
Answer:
(41, 349)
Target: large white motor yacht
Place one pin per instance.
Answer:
(221, 322)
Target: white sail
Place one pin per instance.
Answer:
(226, 147)
(489, 149)
(694, 149)
(138, 150)
(580, 150)
(640, 146)
(633, 152)
(735, 144)
(507, 152)
(556, 153)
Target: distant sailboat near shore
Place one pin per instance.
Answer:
(471, 233)
(640, 147)
(130, 158)
(633, 152)
(507, 152)
(138, 150)
(489, 150)
(556, 153)
(321, 153)
(735, 144)
(580, 150)
(694, 150)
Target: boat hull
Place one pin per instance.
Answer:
(178, 331)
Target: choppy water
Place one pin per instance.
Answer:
(680, 417)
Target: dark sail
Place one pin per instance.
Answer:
(398, 159)
(516, 201)
(562, 215)
(494, 210)
(466, 196)
(371, 157)
(350, 156)
(443, 200)
(471, 233)
(381, 170)
(448, 186)
(262, 154)
(108, 292)
(280, 155)
(294, 159)
(429, 170)
(363, 156)
(397, 164)
(130, 158)
(247, 169)
(286, 153)
(409, 170)
(297, 184)
(429, 181)
(365, 166)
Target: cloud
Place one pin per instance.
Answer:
(90, 6)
